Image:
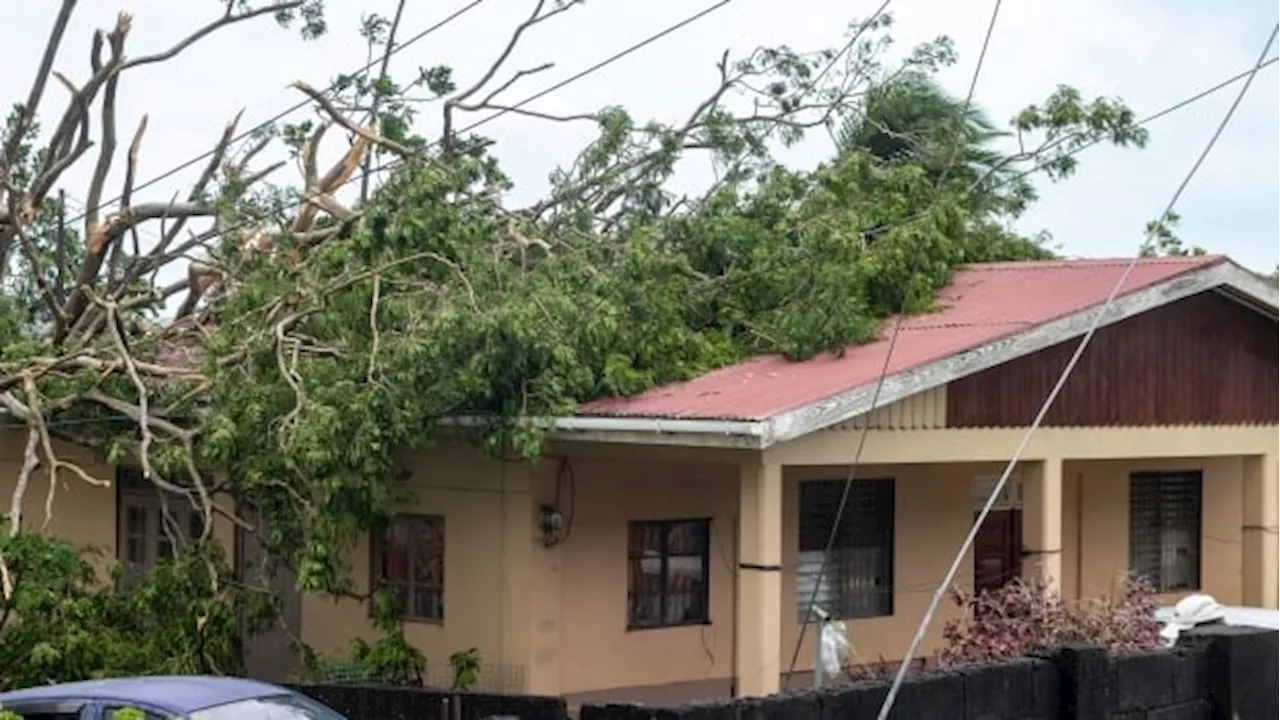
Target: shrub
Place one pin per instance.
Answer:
(1024, 614)
(64, 621)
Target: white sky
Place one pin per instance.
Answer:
(1152, 53)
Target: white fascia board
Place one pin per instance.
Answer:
(644, 431)
(658, 431)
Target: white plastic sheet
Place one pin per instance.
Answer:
(835, 646)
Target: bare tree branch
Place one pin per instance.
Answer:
(535, 17)
(228, 19)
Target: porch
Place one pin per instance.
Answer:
(717, 612)
(1192, 508)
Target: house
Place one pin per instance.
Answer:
(664, 546)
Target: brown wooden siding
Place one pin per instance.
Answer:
(1205, 360)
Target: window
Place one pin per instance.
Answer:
(142, 540)
(278, 707)
(667, 566)
(1164, 528)
(109, 713)
(408, 559)
(857, 581)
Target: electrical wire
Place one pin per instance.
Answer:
(892, 695)
(1076, 150)
(884, 369)
(290, 110)
(852, 41)
(397, 162)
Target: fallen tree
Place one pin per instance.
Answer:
(324, 327)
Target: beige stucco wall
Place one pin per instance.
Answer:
(581, 619)
(489, 536)
(1099, 532)
(81, 513)
(932, 513)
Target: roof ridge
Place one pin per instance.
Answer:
(1073, 263)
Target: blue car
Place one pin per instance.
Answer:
(165, 698)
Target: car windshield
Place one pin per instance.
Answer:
(277, 707)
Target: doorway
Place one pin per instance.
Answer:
(269, 655)
(997, 548)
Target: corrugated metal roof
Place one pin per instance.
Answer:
(983, 303)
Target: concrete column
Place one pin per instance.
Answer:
(1259, 572)
(1042, 522)
(758, 630)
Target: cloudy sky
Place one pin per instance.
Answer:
(1153, 53)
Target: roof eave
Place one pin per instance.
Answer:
(729, 434)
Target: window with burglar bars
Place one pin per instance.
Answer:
(1164, 528)
(857, 581)
(668, 564)
(148, 520)
(408, 560)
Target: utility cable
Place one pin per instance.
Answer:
(892, 695)
(397, 162)
(288, 111)
(957, 142)
(1085, 146)
(849, 45)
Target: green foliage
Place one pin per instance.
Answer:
(441, 303)
(62, 623)
(1162, 239)
(22, 312)
(466, 669)
(390, 660)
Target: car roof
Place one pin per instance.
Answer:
(177, 694)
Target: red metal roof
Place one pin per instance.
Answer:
(983, 303)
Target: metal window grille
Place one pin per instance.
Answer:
(408, 560)
(857, 581)
(668, 566)
(1164, 528)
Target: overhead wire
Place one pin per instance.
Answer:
(399, 161)
(1094, 324)
(1095, 141)
(853, 40)
(957, 142)
(290, 110)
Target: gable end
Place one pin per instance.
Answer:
(1203, 360)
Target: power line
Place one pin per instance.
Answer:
(397, 162)
(852, 41)
(290, 110)
(1053, 395)
(1085, 146)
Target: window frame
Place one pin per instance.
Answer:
(704, 597)
(1157, 527)
(377, 574)
(881, 496)
(133, 491)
